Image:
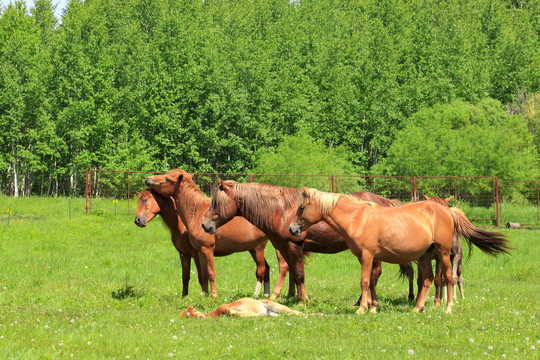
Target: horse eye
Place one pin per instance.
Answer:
(301, 208)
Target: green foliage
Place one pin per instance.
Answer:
(204, 85)
(300, 154)
(461, 139)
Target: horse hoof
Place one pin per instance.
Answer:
(361, 311)
(373, 310)
(448, 310)
(417, 310)
(437, 303)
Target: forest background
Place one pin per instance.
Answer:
(397, 87)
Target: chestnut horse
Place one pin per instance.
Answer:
(239, 235)
(150, 204)
(396, 235)
(272, 208)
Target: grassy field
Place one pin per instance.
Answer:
(74, 285)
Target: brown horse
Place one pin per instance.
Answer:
(271, 209)
(150, 204)
(396, 235)
(239, 235)
(456, 255)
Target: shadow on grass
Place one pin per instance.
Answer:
(126, 292)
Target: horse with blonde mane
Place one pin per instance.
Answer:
(239, 235)
(413, 232)
(272, 208)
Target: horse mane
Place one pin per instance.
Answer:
(438, 200)
(327, 201)
(259, 201)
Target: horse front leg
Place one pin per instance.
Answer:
(296, 266)
(283, 270)
(185, 260)
(206, 256)
(366, 261)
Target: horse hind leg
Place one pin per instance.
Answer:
(258, 256)
(438, 281)
(425, 272)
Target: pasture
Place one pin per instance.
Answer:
(97, 286)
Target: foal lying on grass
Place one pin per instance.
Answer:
(245, 307)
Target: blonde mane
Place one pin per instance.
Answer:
(327, 201)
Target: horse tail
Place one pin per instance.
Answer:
(406, 271)
(491, 243)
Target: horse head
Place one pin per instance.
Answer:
(307, 213)
(224, 207)
(167, 184)
(147, 208)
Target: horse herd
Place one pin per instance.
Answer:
(244, 216)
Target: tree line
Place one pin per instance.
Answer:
(219, 86)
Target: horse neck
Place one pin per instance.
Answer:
(268, 218)
(190, 203)
(168, 213)
(342, 217)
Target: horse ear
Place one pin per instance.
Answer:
(449, 198)
(426, 197)
(223, 185)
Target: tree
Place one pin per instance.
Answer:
(462, 139)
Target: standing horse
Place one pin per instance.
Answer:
(272, 208)
(456, 255)
(150, 204)
(396, 235)
(239, 235)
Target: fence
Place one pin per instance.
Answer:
(520, 202)
(481, 197)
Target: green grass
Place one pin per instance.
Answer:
(97, 286)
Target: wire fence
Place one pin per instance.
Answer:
(483, 198)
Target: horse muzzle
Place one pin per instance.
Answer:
(295, 229)
(140, 221)
(209, 228)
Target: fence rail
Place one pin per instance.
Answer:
(481, 197)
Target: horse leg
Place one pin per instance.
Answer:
(374, 300)
(456, 257)
(447, 271)
(376, 271)
(258, 256)
(296, 264)
(199, 270)
(425, 277)
(185, 260)
(460, 279)
(366, 261)
(437, 281)
(283, 270)
(206, 255)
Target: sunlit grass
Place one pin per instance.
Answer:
(97, 286)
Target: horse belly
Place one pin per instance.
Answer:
(399, 250)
